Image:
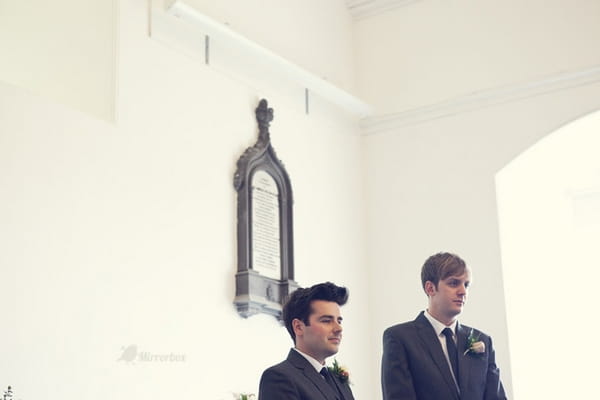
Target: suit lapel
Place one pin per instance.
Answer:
(343, 389)
(311, 374)
(463, 360)
(431, 342)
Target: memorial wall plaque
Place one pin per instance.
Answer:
(265, 271)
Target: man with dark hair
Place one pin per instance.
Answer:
(312, 317)
(434, 357)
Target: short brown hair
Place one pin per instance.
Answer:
(441, 266)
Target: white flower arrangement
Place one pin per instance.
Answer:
(474, 345)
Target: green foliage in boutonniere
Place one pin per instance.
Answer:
(341, 372)
(244, 396)
(474, 347)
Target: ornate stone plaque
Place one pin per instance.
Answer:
(265, 273)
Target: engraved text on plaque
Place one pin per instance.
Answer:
(266, 256)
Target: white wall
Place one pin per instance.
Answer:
(435, 50)
(124, 234)
(549, 209)
(318, 34)
(63, 50)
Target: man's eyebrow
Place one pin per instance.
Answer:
(331, 316)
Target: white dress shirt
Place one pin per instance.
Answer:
(316, 364)
(439, 327)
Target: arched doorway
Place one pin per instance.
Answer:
(549, 216)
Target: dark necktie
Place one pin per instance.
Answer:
(452, 351)
(329, 379)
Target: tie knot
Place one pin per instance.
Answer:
(448, 333)
(329, 379)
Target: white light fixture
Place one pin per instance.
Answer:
(245, 59)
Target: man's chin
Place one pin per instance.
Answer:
(333, 351)
(458, 308)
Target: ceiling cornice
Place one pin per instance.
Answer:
(367, 8)
(481, 99)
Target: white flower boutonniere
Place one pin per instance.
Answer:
(474, 345)
(341, 372)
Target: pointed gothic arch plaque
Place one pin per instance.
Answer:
(265, 270)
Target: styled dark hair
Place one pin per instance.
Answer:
(441, 266)
(299, 306)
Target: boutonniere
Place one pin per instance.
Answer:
(340, 372)
(244, 396)
(474, 345)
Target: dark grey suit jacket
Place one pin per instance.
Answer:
(414, 366)
(296, 379)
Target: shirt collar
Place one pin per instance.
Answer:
(438, 326)
(316, 364)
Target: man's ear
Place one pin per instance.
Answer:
(430, 288)
(298, 327)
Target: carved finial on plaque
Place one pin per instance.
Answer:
(264, 116)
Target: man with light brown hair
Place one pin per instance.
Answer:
(435, 357)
